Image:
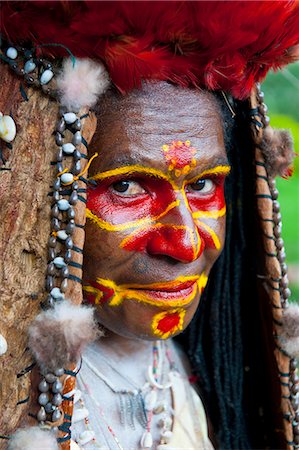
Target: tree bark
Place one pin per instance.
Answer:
(24, 230)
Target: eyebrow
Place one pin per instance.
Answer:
(216, 169)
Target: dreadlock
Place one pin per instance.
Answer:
(224, 337)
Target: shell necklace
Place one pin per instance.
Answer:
(135, 403)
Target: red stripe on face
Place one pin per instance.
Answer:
(102, 294)
(179, 154)
(168, 323)
(116, 209)
(215, 201)
(180, 243)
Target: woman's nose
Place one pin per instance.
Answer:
(176, 236)
(180, 242)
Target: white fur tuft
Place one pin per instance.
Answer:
(81, 84)
(57, 336)
(289, 337)
(32, 438)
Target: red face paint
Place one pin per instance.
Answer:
(179, 235)
(115, 209)
(168, 323)
(181, 243)
(213, 201)
(179, 156)
(97, 293)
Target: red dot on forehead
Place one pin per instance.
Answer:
(179, 155)
(168, 322)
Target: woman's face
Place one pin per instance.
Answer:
(156, 213)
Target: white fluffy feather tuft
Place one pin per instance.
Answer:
(81, 84)
(57, 336)
(32, 438)
(289, 337)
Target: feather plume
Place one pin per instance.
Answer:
(57, 336)
(82, 83)
(214, 45)
(32, 438)
(289, 337)
(278, 149)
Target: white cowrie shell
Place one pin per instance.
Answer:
(7, 128)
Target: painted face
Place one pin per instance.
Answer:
(156, 212)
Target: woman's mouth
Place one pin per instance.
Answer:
(170, 291)
(176, 293)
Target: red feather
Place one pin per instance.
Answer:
(215, 45)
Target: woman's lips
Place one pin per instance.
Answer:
(171, 291)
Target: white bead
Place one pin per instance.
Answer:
(167, 435)
(56, 293)
(80, 414)
(59, 262)
(70, 117)
(12, 53)
(68, 148)
(86, 436)
(150, 400)
(67, 178)
(146, 441)
(3, 345)
(29, 66)
(7, 128)
(47, 76)
(63, 204)
(61, 234)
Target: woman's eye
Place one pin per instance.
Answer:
(205, 186)
(127, 188)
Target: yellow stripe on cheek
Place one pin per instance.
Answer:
(213, 214)
(125, 226)
(212, 233)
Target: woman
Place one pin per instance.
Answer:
(163, 234)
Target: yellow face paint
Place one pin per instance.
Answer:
(168, 323)
(125, 226)
(134, 169)
(176, 293)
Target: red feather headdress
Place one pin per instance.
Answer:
(225, 45)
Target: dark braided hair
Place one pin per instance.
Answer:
(225, 342)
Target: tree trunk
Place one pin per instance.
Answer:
(24, 230)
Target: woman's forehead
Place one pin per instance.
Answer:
(137, 126)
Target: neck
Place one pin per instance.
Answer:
(123, 347)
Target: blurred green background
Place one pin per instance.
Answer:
(282, 98)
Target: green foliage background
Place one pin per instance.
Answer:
(282, 98)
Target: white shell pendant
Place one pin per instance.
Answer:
(150, 400)
(146, 442)
(166, 436)
(86, 436)
(3, 345)
(80, 414)
(7, 128)
(74, 445)
(77, 396)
